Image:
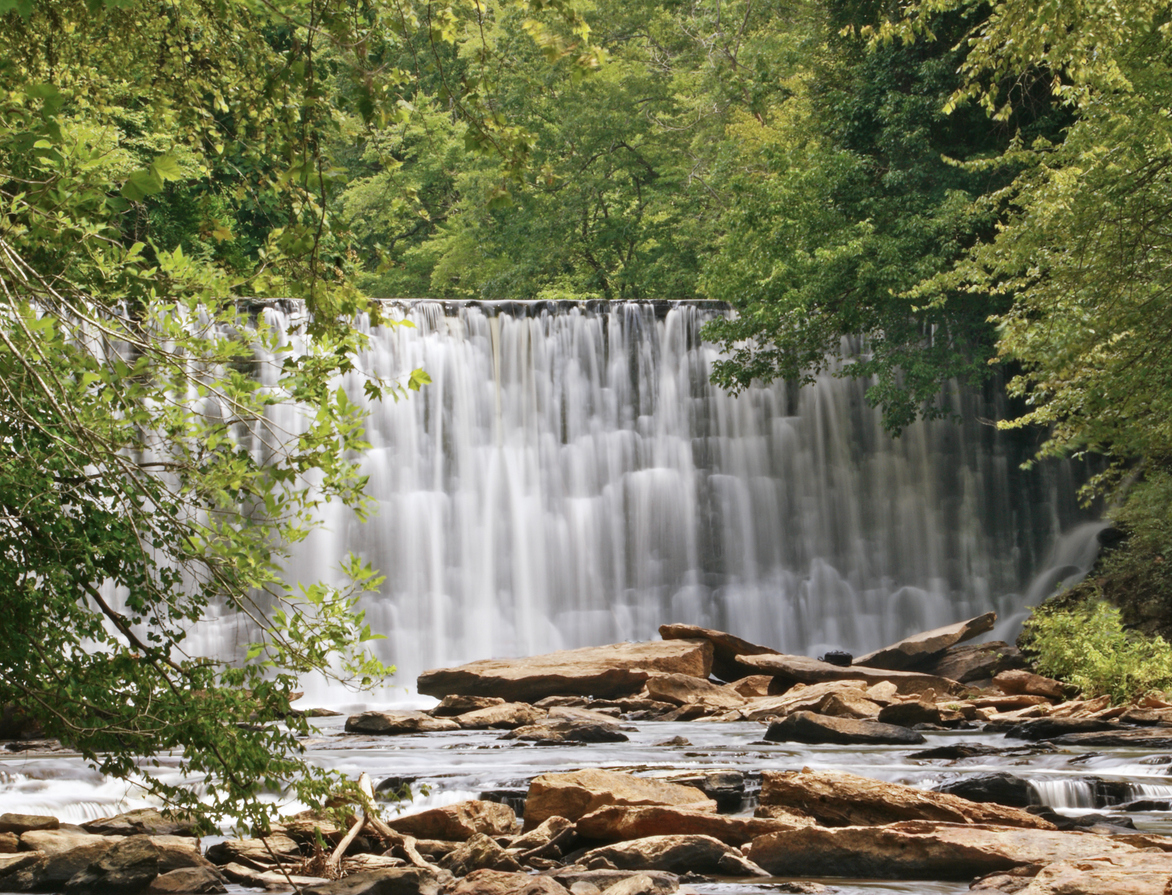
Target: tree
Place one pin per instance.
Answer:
(162, 446)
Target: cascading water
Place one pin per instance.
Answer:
(571, 477)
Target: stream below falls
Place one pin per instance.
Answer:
(443, 768)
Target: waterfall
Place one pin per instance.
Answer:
(570, 477)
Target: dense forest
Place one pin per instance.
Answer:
(967, 186)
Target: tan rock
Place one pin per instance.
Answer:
(8, 843)
(919, 648)
(458, 822)
(726, 649)
(807, 727)
(1008, 703)
(922, 850)
(571, 713)
(969, 662)
(11, 863)
(391, 723)
(260, 854)
(804, 670)
(800, 697)
(1134, 874)
(884, 693)
(1018, 681)
(188, 881)
(577, 880)
(617, 670)
(676, 854)
(26, 823)
(270, 880)
(849, 703)
(480, 852)
(505, 716)
(497, 882)
(544, 833)
(149, 821)
(751, 686)
(683, 689)
(54, 842)
(617, 823)
(451, 706)
(578, 793)
(835, 799)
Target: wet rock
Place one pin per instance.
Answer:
(578, 793)
(479, 853)
(391, 723)
(835, 799)
(505, 716)
(602, 880)
(514, 798)
(558, 733)
(912, 712)
(1137, 874)
(188, 881)
(919, 649)
(677, 854)
(1021, 681)
(129, 866)
(24, 823)
(458, 822)
(394, 881)
(1143, 738)
(497, 882)
(148, 821)
(605, 671)
(806, 727)
(459, 705)
(956, 751)
(617, 823)
(975, 661)
(1001, 788)
(726, 788)
(683, 689)
(258, 853)
(725, 649)
(1050, 728)
(804, 670)
(922, 850)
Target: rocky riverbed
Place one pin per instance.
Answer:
(683, 782)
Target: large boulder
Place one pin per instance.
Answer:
(392, 881)
(676, 854)
(50, 872)
(479, 853)
(458, 822)
(506, 716)
(919, 649)
(576, 794)
(922, 850)
(617, 670)
(188, 881)
(1021, 681)
(147, 821)
(258, 853)
(391, 723)
(499, 882)
(617, 823)
(130, 866)
(567, 733)
(1000, 787)
(967, 662)
(24, 823)
(806, 727)
(836, 799)
(55, 842)
(725, 647)
(799, 697)
(684, 689)
(1142, 873)
(804, 670)
(458, 705)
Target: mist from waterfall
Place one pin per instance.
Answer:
(570, 477)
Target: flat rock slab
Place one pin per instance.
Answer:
(576, 794)
(24, 823)
(923, 850)
(804, 670)
(55, 842)
(1141, 737)
(458, 822)
(684, 689)
(143, 821)
(662, 883)
(969, 662)
(675, 854)
(506, 716)
(806, 727)
(396, 881)
(726, 648)
(391, 723)
(618, 823)
(617, 670)
(498, 882)
(921, 648)
(1139, 874)
(837, 799)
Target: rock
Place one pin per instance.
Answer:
(850, 703)
(267, 879)
(677, 854)
(304, 827)
(1135, 874)
(683, 689)
(601, 880)
(1049, 728)
(1021, 681)
(753, 685)
(55, 842)
(636, 884)
(806, 727)
(578, 793)
(393, 881)
(24, 823)
(479, 852)
(837, 799)
(505, 716)
(11, 864)
(922, 850)
(918, 649)
(390, 723)
(544, 833)
(804, 670)
(907, 714)
(1141, 738)
(555, 733)
(143, 821)
(726, 788)
(129, 866)
(8, 843)
(618, 823)
(52, 872)
(725, 649)
(178, 852)
(193, 880)
(810, 697)
(255, 852)
(617, 670)
(1007, 703)
(458, 822)
(1001, 788)
(459, 705)
(975, 661)
(575, 713)
(497, 882)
